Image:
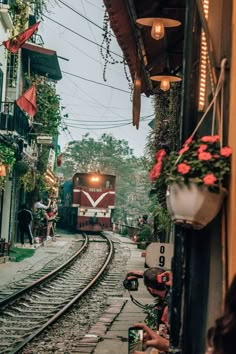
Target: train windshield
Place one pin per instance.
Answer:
(94, 181)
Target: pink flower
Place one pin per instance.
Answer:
(160, 154)
(155, 172)
(210, 139)
(183, 150)
(183, 168)
(216, 156)
(188, 141)
(204, 156)
(226, 151)
(209, 179)
(202, 148)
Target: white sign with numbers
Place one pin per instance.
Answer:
(159, 255)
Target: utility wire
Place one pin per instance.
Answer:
(80, 35)
(81, 15)
(106, 121)
(96, 82)
(98, 126)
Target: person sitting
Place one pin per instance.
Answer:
(221, 337)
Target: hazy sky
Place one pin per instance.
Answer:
(92, 108)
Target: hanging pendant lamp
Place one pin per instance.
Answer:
(165, 78)
(158, 25)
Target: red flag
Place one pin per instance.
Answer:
(27, 102)
(59, 159)
(15, 43)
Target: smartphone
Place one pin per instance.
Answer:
(135, 339)
(162, 278)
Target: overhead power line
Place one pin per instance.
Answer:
(80, 35)
(96, 82)
(81, 15)
(105, 121)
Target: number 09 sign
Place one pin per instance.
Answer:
(159, 255)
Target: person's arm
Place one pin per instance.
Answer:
(135, 273)
(153, 339)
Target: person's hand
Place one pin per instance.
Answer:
(169, 276)
(134, 274)
(152, 339)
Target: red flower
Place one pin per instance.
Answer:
(183, 168)
(156, 171)
(226, 151)
(209, 179)
(210, 139)
(188, 141)
(204, 156)
(202, 148)
(160, 154)
(186, 148)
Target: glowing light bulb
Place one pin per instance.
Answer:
(165, 84)
(158, 30)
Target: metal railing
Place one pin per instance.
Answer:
(36, 39)
(7, 2)
(13, 119)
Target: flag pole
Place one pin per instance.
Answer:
(29, 66)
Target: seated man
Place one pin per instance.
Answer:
(158, 283)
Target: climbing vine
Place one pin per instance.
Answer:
(165, 135)
(48, 103)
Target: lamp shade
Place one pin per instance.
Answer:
(158, 24)
(165, 79)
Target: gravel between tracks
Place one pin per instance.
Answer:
(64, 335)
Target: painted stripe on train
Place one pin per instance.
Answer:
(94, 203)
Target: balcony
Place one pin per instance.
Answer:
(13, 119)
(4, 13)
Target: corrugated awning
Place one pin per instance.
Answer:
(41, 61)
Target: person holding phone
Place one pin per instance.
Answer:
(135, 339)
(152, 339)
(158, 283)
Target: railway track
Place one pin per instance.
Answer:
(31, 310)
(14, 288)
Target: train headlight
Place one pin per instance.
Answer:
(94, 179)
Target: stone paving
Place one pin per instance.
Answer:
(110, 334)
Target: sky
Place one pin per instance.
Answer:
(92, 108)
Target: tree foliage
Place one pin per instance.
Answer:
(111, 156)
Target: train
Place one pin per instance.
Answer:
(88, 202)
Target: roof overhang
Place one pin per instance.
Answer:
(41, 61)
(141, 51)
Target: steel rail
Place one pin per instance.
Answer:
(63, 310)
(16, 295)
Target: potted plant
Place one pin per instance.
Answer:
(196, 177)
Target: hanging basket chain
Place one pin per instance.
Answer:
(219, 87)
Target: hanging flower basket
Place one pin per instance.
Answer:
(195, 176)
(193, 205)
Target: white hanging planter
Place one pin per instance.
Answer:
(193, 205)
